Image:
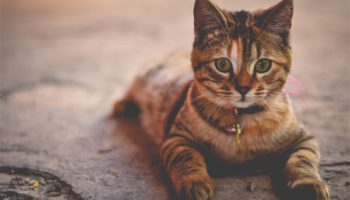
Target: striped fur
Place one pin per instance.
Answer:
(188, 110)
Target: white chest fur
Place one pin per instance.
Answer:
(262, 133)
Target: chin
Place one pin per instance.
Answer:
(242, 104)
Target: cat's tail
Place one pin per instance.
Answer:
(125, 108)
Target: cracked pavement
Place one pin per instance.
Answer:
(63, 63)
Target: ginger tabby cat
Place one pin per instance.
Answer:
(229, 107)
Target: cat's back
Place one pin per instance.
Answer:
(159, 90)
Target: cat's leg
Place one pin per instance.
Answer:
(187, 168)
(302, 173)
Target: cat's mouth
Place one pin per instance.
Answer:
(242, 103)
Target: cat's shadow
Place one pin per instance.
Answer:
(129, 130)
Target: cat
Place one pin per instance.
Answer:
(225, 104)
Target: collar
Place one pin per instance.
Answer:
(249, 110)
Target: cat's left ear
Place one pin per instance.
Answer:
(207, 16)
(277, 19)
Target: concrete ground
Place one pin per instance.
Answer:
(63, 63)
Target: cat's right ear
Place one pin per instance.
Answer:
(207, 17)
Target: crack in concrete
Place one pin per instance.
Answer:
(334, 164)
(5, 93)
(21, 150)
(51, 186)
(15, 195)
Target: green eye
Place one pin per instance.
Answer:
(223, 65)
(263, 65)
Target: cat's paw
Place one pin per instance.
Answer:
(309, 189)
(195, 187)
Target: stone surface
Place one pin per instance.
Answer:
(63, 63)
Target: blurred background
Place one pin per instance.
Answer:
(63, 63)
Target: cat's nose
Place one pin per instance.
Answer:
(243, 90)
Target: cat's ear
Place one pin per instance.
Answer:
(207, 17)
(277, 19)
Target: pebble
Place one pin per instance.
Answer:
(251, 187)
(27, 181)
(42, 181)
(53, 194)
(31, 182)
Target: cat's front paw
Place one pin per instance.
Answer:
(195, 187)
(309, 189)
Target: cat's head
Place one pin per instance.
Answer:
(241, 58)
